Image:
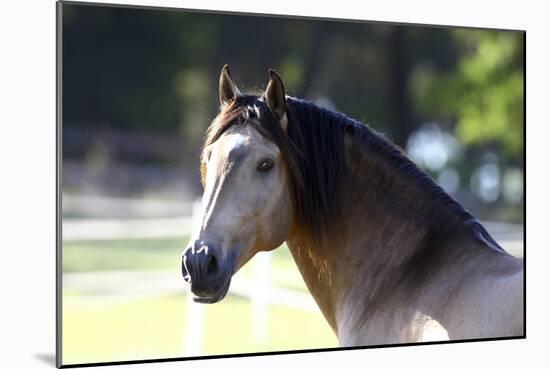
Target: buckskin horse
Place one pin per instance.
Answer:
(386, 253)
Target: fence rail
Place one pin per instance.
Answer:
(509, 236)
(130, 285)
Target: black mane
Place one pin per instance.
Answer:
(315, 151)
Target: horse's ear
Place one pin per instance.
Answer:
(275, 97)
(228, 90)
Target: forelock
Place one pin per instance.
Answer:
(252, 110)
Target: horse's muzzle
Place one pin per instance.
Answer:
(209, 276)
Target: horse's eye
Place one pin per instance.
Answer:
(265, 165)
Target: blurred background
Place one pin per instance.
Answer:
(139, 90)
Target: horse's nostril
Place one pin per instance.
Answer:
(211, 266)
(185, 269)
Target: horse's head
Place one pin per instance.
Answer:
(246, 205)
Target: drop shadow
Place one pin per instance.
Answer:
(46, 358)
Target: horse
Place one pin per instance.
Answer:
(388, 256)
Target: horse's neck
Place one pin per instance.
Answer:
(389, 254)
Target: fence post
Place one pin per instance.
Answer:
(194, 322)
(259, 296)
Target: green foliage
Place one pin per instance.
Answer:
(142, 73)
(484, 93)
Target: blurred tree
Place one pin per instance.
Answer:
(148, 80)
(484, 94)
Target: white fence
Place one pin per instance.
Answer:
(257, 289)
(132, 285)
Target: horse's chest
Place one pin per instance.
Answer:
(386, 328)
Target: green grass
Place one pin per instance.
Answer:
(94, 331)
(154, 328)
(97, 327)
(158, 254)
(123, 254)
